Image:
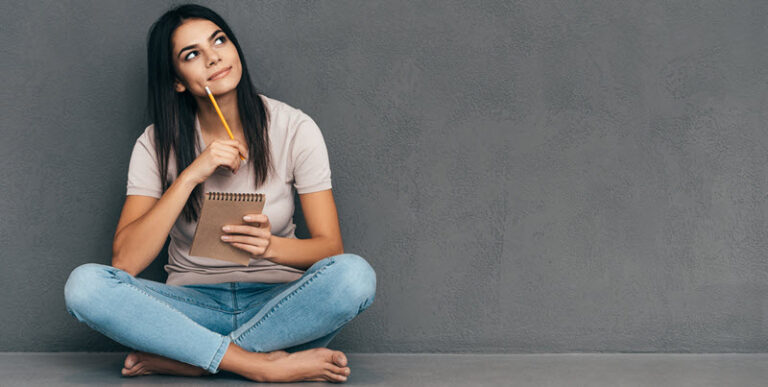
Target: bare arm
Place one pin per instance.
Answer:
(323, 222)
(145, 223)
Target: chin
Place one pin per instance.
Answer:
(220, 88)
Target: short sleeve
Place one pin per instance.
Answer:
(311, 167)
(143, 169)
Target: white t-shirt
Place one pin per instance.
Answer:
(300, 161)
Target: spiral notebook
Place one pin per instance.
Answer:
(219, 209)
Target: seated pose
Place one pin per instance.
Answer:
(271, 320)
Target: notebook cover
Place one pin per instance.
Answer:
(219, 209)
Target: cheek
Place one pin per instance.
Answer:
(187, 73)
(194, 75)
(236, 61)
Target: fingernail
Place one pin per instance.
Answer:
(248, 218)
(225, 228)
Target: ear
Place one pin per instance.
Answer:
(179, 86)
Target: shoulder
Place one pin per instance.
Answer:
(283, 114)
(144, 147)
(147, 137)
(275, 105)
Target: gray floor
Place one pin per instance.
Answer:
(101, 369)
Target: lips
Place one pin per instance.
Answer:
(220, 73)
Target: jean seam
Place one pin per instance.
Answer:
(211, 368)
(247, 309)
(188, 300)
(291, 294)
(175, 297)
(234, 305)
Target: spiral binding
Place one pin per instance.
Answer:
(236, 196)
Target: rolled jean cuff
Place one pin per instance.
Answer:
(213, 367)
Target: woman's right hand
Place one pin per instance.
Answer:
(225, 153)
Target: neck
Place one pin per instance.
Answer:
(211, 124)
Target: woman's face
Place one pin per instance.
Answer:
(200, 49)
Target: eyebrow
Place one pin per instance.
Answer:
(195, 45)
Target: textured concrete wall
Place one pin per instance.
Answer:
(532, 176)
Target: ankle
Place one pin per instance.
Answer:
(240, 361)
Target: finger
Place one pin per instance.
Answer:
(243, 149)
(251, 241)
(237, 147)
(239, 229)
(226, 148)
(228, 141)
(231, 161)
(253, 250)
(248, 240)
(249, 219)
(258, 221)
(224, 158)
(246, 229)
(231, 155)
(226, 152)
(261, 218)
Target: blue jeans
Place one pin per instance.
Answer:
(194, 324)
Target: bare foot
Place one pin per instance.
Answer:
(316, 364)
(143, 363)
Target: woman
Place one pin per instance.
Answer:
(268, 321)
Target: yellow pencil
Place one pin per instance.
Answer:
(216, 106)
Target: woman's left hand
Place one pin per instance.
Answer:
(255, 239)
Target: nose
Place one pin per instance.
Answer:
(213, 57)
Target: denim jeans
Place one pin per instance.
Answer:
(194, 324)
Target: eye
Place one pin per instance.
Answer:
(223, 39)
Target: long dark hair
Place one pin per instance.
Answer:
(173, 113)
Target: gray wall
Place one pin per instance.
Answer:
(533, 176)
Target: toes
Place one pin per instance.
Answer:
(339, 359)
(344, 371)
(131, 360)
(143, 371)
(335, 377)
(137, 369)
(131, 371)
